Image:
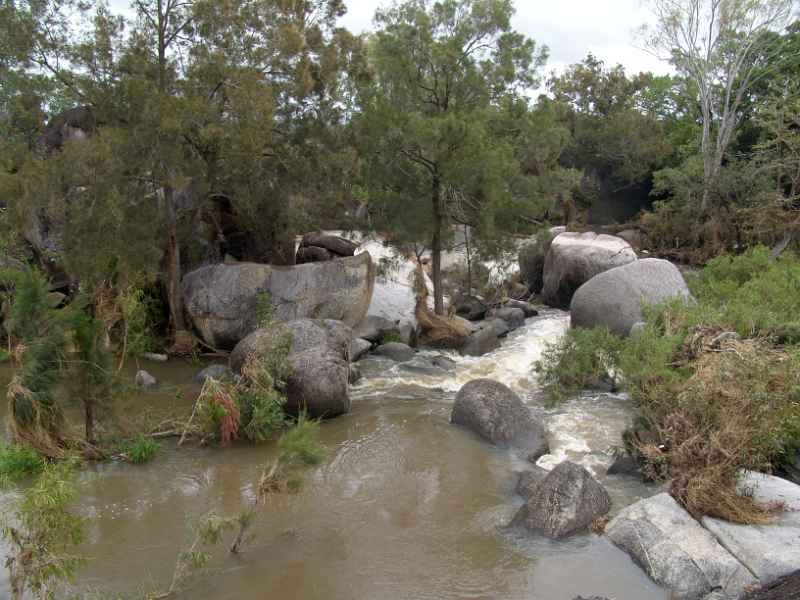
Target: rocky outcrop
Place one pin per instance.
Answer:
(74, 124)
(498, 415)
(320, 247)
(768, 551)
(318, 351)
(567, 501)
(676, 551)
(574, 258)
(222, 299)
(614, 298)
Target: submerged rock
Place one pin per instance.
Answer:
(676, 551)
(222, 299)
(614, 298)
(566, 501)
(144, 380)
(499, 416)
(213, 372)
(396, 351)
(481, 342)
(575, 258)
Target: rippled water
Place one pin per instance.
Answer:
(405, 507)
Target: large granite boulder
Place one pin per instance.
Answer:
(768, 551)
(676, 551)
(499, 416)
(566, 501)
(222, 299)
(318, 353)
(529, 481)
(574, 258)
(615, 297)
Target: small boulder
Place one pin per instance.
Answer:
(443, 362)
(332, 243)
(514, 317)
(575, 258)
(396, 351)
(144, 380)
(213, 372)
(530, 480)
(526, 307)
(471, 308)
(311, 254)
(155, 357)
(481, 342)
(358, 348)
(499, 416)
(676, 551)
(625, 464)
(614, 298)
(567, 501)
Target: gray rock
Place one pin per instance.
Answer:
(374, 328)
(786, 588)
(443, 362)
(632, 236)
(408, 334)
(638, 326)
(144, 380)
(526, 307)
(514, 317)
(676, 551)
(155, 357)
(575, 258)
(332, 243)
(768, 551)
(471, 308)
(500, 327)
(567, 501)
(354, 374)
(481, 342)
(213, 372)
(358, 348)
(396, 351)
(625, 464)
(222, 299)
(498, 415)
(614, 298)
(530, 480)
(318, 351)
(312, 254)
(725, 336)
(531, 261)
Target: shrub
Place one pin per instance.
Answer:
(579, 358)
(141, 450)
(18, 462)
(391, 337)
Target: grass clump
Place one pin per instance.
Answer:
(17, 462)
(140, 450)
(716, 382)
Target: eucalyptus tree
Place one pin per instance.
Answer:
(443, 73)
(719, 45)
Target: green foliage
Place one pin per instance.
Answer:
(138, 312)
(299, 444)
(261, 412)
(17, 462)
(580, 357)
(265, 312)
(42, 534)
(141, 449)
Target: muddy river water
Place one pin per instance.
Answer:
(405, 506)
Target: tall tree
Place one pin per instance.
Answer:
(715, 43)
(443, 72)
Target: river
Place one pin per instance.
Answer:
(406, 506)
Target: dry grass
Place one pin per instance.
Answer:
(721, 421)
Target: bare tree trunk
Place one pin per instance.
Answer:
(173, 266)
(436, 247)
(88, 407)
(469, 261)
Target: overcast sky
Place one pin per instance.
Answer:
(570, 28)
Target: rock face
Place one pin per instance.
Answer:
(319, 381)
(499, 416)
(768, 551)
(614, 298)
(222, 299)
(574, 258)
(567, 501)
(676, 551)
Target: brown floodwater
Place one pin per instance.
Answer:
(405, 506)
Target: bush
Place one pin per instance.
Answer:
(580, 358)
(141, 449)
(18, 462)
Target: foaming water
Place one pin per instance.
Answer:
(406, 506)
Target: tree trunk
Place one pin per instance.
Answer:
(436, 248)
(88, 407)
(469, 261)
(173, 266)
